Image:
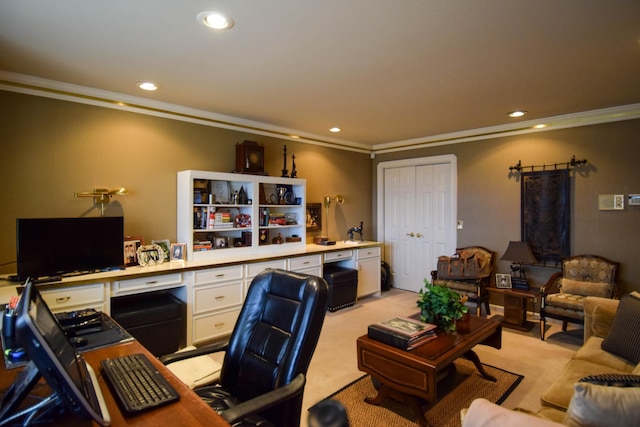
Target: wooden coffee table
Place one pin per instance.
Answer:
(412, 376)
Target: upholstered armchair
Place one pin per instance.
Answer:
(563, 295)
(474, 288)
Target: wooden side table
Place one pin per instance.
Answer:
(515, 307)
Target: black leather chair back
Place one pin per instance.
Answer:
(276, 332)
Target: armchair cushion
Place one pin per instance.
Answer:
(563, 304)
(624, 338)
(595, 289)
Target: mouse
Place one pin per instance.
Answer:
(79, 341)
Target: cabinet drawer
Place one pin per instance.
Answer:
(338, 255)
(216, 275)
(146, 284)
(254, 268)
(212, 326)
(82, 296)
(368, 253)
(214, 297)
(295, 264)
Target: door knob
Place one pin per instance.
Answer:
(410, 234)
(418, 235)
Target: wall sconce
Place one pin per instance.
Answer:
(338, 199)
(519, 253)
(102, 196)
(327, 203)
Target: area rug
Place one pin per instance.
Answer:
(455, 393)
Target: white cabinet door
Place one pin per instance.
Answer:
(368, 276)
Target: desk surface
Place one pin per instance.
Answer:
(190, 410)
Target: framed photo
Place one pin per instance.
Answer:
(221, 242)
(314, 216)
(150, 255)
(131, 252)
(503, 281)
(165, 245)
(178, 252)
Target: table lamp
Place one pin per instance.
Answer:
(519, 253)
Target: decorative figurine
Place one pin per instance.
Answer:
(285, 172)
(294, 172)
(355, 230)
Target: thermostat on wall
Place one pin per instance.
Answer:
(634, 199)
(607, 202)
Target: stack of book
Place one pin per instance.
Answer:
(402, 332)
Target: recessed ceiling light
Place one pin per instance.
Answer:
(517, 113)
(215, 20)
(147, 86)
(334, 130)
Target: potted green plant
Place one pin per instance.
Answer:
(441, 306)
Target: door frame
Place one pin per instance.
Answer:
(418, 161)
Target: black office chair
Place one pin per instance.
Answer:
(263, 372)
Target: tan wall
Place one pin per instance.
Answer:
(51, 149)
(489, 197)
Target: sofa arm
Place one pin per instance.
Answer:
(598, 316)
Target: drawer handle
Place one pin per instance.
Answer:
(219, 276)
(219, 325)
(219, 297)
(153, 282)
(306, 262)
(61, 300)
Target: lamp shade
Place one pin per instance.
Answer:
(519, 252)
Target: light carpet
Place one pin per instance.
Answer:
(455, 393)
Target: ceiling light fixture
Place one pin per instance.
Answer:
(540, 126)
(215, 20)
(517, 113)
(334, 130)
(147, 86)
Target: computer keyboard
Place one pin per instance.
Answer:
(137, 384)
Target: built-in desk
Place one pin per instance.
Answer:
(190, 410)
(212, 290)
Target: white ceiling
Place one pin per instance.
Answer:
(387, 72)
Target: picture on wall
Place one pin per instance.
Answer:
(314, 216)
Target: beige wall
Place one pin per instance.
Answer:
(51, 149)
(489, 196)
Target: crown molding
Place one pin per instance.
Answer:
(586, 118)
(37, 86)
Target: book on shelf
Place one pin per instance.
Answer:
(402, 332)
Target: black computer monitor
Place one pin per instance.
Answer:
(51, 355)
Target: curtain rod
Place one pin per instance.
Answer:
(571, 163)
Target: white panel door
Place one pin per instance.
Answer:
(419, 220)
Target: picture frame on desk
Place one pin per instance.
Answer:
(178, 252)
(165, 245)
(131, 246)
(503, 281)
(150, 255)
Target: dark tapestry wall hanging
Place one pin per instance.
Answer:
(545, 213)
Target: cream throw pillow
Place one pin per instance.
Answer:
(586, 289)
(597, 405)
